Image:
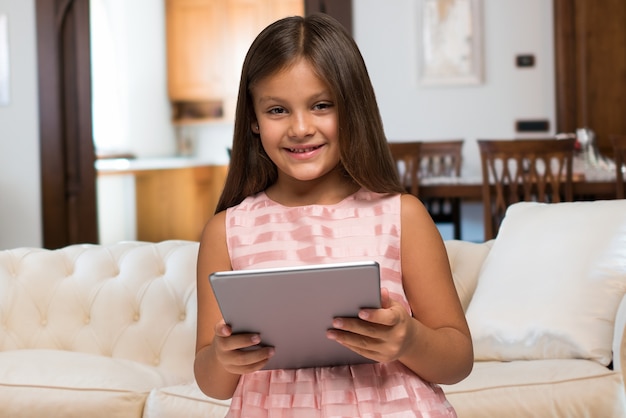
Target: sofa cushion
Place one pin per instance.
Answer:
(528, 389)
(70, 384)
(186, 400)
(552, 282)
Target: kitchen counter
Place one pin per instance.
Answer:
(136, 165)
(173, 197)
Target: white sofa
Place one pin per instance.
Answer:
(108, 331)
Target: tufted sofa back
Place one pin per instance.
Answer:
(130, 300)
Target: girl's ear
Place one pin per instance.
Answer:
(255, 127)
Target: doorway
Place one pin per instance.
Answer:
(68, 174)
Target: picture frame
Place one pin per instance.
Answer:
(451, 42)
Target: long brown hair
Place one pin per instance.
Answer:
(335, 57)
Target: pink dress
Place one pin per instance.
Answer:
(365, 226)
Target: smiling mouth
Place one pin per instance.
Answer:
(304, 150)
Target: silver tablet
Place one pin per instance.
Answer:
(292, 308)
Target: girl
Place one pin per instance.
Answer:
(312, 180)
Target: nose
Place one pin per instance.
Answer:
(301, 125)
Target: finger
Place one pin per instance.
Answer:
(363, 345)
(241, 362)
(385, 303)
(358, 327)
(388, 317)
(232, 342)
(245, 342)
(253, 356)
(373, 348)
(385, 299)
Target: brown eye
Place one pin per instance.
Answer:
(276, 111)
(323, 106)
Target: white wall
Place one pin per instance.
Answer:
(387, 33)
(20, 191)
(413, 111)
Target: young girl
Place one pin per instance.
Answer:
(312, 180)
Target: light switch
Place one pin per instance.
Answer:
(525, 60)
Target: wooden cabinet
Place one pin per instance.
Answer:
(206, 44)
(176, 203)
(194, 43)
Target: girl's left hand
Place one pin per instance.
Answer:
(378, 334)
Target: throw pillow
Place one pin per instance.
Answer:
(552, 283)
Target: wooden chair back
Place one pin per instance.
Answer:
(523, 170)
(619, 155)
(407, 158)
(443, 158)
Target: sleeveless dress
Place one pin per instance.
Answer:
(262, 233)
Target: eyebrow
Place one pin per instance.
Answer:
(317, 96)
(268, 99)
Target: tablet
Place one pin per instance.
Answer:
(292, 308)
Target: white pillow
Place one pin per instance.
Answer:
(552, 282)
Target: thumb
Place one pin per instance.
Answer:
(385, 299)
(222, 330)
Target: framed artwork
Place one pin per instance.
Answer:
(4, 60)
(451, 42)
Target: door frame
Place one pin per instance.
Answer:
(67, 155)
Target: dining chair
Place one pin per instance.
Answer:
(619, 155)
(407, 158)
(523, 170)
(441, 160)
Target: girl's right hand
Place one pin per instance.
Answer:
(239, 353)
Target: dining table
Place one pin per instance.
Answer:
(590, 182)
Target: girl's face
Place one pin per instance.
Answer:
(297, 122)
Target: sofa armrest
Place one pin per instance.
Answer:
(466, 260)
(619, 339)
